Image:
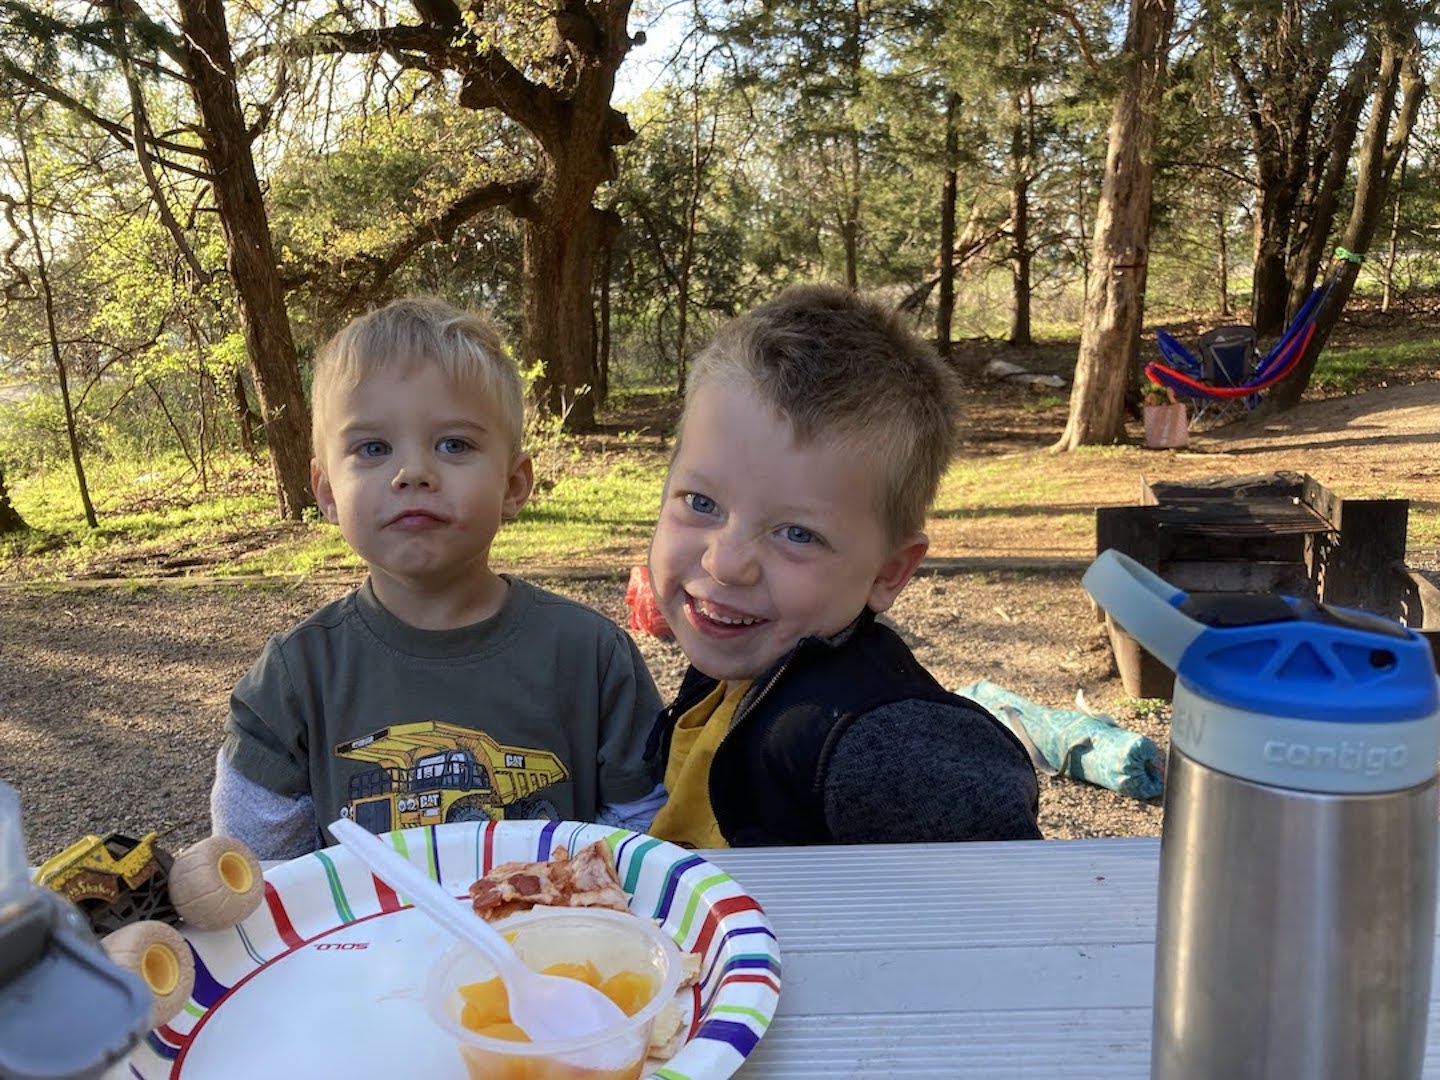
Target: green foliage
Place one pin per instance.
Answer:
(32, 434)
(1151, 708)
(340, 208)
(686, 151)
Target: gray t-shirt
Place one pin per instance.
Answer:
(540, 711)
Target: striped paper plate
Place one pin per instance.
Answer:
(326, 978)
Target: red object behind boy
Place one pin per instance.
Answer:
(640, 599)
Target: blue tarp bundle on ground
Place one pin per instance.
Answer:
(1090, 748)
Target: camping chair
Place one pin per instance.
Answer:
(1227, 355)
(1188, 377)
(1227, 358)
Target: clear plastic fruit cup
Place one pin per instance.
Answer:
(613, 941)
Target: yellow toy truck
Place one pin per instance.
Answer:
(429, 772)
(133, 892)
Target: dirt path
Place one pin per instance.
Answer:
(1384, 443)
(112, 696)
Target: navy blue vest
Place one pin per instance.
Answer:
(767, 780)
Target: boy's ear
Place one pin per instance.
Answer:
(895, 572)
(324, 493)
(518, 487)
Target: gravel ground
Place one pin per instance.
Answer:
(112, 698)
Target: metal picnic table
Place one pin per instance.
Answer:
(993, 960)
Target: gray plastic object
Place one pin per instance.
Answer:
(66, 1010)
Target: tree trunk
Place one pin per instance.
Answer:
(850, 227)
(1020, 226)
(1274, 205)
(604, 347)
(250, 256)
(1392, 249)
(1379, 154)
(855, 72)
(945, 305)
(52, 330)
(696, 181)
(1281, 58)
(1020, 261)
(1115, 296)
(245, 418)
(1280, 124)
(557, 320)
(1222, 262)
(1315, 219)
(10, 519)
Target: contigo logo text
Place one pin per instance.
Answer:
(1358, 757)
(1189, 725)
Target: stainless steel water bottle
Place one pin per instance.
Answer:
(1296, 919)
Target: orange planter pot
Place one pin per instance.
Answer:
(1166, 426)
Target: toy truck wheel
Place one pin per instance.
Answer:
(116, 880)
(216, 883)
(159, 955)
(469, 808)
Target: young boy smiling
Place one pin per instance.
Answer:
(418, 414)
(815, 433)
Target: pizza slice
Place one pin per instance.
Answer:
(587, 879)
(595, 880)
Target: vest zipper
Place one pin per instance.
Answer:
(738, 718)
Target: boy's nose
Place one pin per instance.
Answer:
(412, 476)
(731, 560)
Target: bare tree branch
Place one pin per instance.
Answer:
(119, 131)
(440, 228)
(140, 137)
(489, 80)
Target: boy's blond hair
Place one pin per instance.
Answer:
(412, 331)
(846, 372)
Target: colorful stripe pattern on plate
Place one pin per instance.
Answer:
(703, 909)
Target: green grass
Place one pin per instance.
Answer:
(997, 485)
(1146, 706)
(159, 512)
(146, 509)
(994, 484)
(1424, 525)
(599, 510)
(1348, 370)
(584, 515)
(1044, 404)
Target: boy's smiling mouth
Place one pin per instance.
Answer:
(708, 613)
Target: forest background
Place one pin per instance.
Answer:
(195, 193)
(194, 196)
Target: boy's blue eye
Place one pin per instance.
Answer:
(798, 535)
(372, 448)
(453, 445)
(701, 504)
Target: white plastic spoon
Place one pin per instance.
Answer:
(547, 1007)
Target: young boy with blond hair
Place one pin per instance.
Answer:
(439, 690)
(815, 432)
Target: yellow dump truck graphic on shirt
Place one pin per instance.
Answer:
(430, 772)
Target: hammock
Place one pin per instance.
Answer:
(1185, 374)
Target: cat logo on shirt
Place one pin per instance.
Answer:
(430, 772)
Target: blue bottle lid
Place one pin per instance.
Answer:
(1273, 655)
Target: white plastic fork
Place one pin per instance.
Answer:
(547, 1007)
